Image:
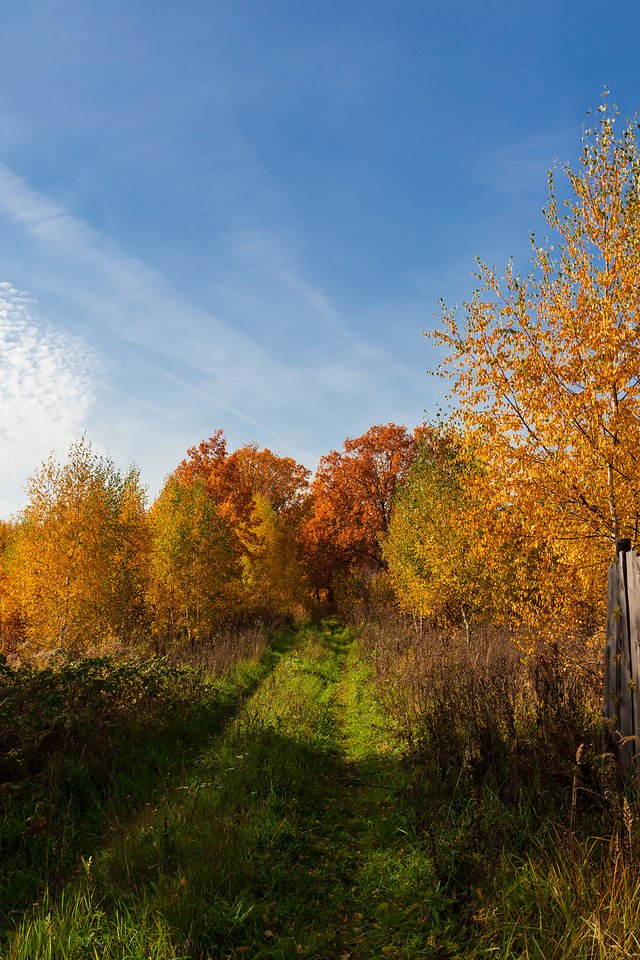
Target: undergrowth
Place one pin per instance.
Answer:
(84, 742)
(412, 796)
(293, 836)
(533, 833)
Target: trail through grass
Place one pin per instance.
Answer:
(291, 837)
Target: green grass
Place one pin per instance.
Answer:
(84, 744)
(292, 837)
(303, 821)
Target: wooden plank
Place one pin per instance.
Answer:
(626, 679)
(610, 707)
(633, 592)
(617, 645)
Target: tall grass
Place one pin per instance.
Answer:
(292, 837)
(533, 832)
(234, 860)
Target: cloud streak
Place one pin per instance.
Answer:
(140, 305)
(283, 365)
(146, 309)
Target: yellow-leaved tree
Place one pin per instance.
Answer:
(545, 373)
(195, 573)
(77, 566)
(10, 618)
(272, 574)
(436, 564)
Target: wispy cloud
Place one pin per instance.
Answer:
(283, 365)
(47, 384)
(121, 298)
(144, 308)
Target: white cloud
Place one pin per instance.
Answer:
(47, 383)
(140, 306)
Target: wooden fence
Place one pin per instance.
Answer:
(622, 657)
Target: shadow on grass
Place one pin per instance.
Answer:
(281, 846)
(88, 743)
(283, 850)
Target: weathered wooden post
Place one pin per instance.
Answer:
(622, 654)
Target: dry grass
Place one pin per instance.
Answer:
(533, 832)
(482, 710)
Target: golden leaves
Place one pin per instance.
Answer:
(544, 370)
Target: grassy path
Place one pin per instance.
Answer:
(291, 838)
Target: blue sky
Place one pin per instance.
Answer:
(242, 214)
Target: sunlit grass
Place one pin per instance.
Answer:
(292, 838)
(321, 823)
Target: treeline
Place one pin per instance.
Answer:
(391, 520)
(505, 512)
(232, 537)
(88, 563)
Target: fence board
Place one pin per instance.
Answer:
(626, 704)
(633, 591)
(611, 685)
(622, 657)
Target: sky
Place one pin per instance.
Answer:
(243, 215)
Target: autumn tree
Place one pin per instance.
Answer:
(545, 368)
(78, 565)
(193, 567)
(272, 573)
(351, 498)
(11, 625)
(281, 481)
(234, 480)
(259, 498)
(440, 569)
(208, 463)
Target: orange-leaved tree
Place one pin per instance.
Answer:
(281, 481)
(351, 499)
(234, 479)
(208, 463)
(546, 370)
(259, 497)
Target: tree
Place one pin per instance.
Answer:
(11, 625)
(439, 567)
(78, 565)
(351, 497)
(545, 369)
(279, 480)
(234, 481)
(208, 463)
(193, 569)
(254, 503)
(271, 570)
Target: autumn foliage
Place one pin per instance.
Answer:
(351, 500)
(544, 375)
(506, 511)
(76, 563)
